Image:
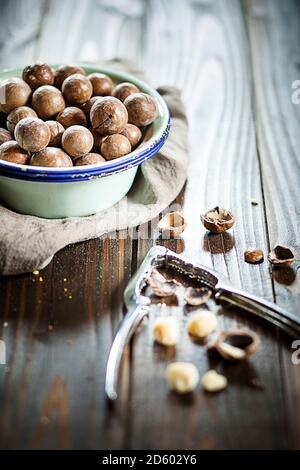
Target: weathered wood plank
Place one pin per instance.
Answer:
(275, 64)
(52, 390)
(223, 170)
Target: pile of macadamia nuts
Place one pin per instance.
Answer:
(64, 118)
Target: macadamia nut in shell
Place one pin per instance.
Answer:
(108, 116)
(72, 116)
(17, 114)
(38, 75)
(182, 377)
(124, 89)
(48, 101)
(56, 132)
(77, 89)
(5, 136)
(51, 157)
(133, 134)
(12, 152)
(115, 146)
(14, 92)
(89, 159)
(32, 134)
(77, 141)
(64, 71)
(141, 109)
(102, 84)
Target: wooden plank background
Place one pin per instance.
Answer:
(235, 62)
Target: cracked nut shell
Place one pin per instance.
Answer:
(141, 108)
(77, 141)
(64, 71)
(237, 344)
(166, 331)
(51, 157)
(254, 256)
(48, 102)
(56, 132)
(77, 89)
(14, 92)
(5, 136)
(108, 116)
(38, 75)
(197, 295)
(201, 324)
(32, 134)
(123, 90)
(172, 224)
(281, 256)
(182, 377)
(90, 159)
(17, 114)
(11, 152)
(115, 146)
(217, 220)
(133, 134)
(102, 84)
(72, 116)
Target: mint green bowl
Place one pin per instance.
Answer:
(80, 191)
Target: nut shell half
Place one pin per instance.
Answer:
(196, 296)
(237, 344)
(281, 256)
(217, 220)
(172, 224)
(254, 256)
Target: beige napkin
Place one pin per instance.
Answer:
(28, 243)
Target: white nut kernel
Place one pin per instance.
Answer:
(201, 324)
(182, 377)
(214, 382)
(166, 331)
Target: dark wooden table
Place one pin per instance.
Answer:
(235, 63)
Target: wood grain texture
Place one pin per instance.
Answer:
(235, 62)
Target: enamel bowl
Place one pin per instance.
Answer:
(81, 191)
